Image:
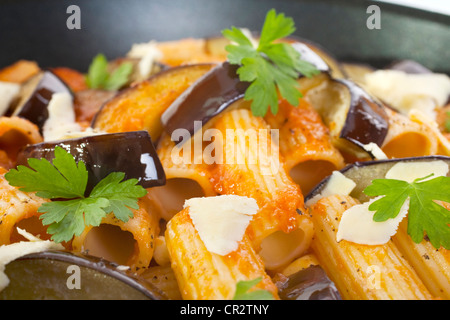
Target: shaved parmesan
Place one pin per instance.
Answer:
(221, 221)
(337, 184)
(61, 117)
(8, 92)
(357, 225)
(405, 92)
(410, 171)
(16, 250)
(375, 150)
(148, 54)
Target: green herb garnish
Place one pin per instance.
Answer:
(98, 76)
(270, 67)
(424, 215)
(65, 181)
(243, 287)
(447, 121)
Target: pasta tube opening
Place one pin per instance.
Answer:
(110, 243)
(280, 248)
(171, 197)
(309, 173)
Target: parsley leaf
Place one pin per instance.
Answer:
(242, 288)
(271, 68)
(447, 121)
(121, 195)
(66, 181)
(424, 216)
(63, 179)
(98, 76)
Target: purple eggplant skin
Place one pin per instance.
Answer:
(409, 66)
(366, 120)
(207, 97)
(311, 283)
(44, 276)
(215, 91)
(363, 172)
(34, 108)
(130, 152)
(308, 55)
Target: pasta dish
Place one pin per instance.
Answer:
(247, 165)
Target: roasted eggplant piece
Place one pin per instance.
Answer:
(46, 276)
(206, 98)
(409, 66)
(130, 152)
(362, 173)
(140, 107)
(311, 283)
(354, 118)
(35, 96)
(335, 68)
(218, 89)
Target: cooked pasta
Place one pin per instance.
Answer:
(429, 263)
(18, 209)
(203, 275)
(272, 159)
(262, 176)
(361, 271)
(134, 238)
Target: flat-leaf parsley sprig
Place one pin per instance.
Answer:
(64, 181)
(270, 67)
(425, 216)
(243, 293)
(98, 76)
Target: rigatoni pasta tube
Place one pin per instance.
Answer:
(407, 138)
(18, 208)
(361, 272)
(431, 264)
(203, 275)
(253, 167)
(305, 144)
(129, 243)
(185, 178)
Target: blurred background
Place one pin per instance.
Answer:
(36, 29)
(440, 6)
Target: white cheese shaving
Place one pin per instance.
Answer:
(375, 150)
(221, 221)
(16, 250)
(357, 225)
(336, 184)
(85, 133)
(147, 53)
(410, 171)
(61, 117)
(405, 92)
(8, 92)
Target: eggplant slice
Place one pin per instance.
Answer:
(362, 173)
(354, 117)
(47, 276)
(207, 97)
(311, 283)
(35, 96)
(130, 152)
(217, 90)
